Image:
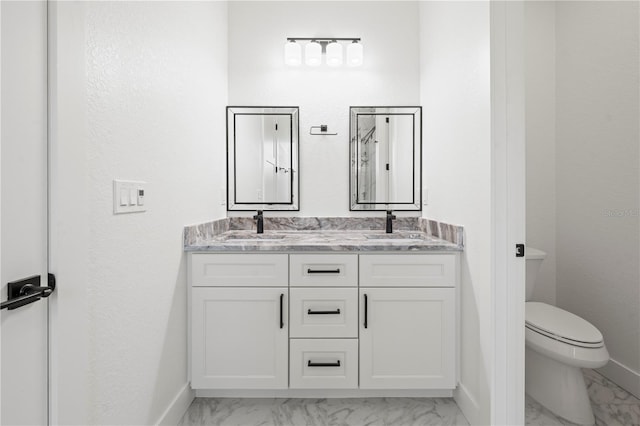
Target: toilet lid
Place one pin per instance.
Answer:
(560, 324)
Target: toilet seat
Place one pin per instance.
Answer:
(564, 339)
(563, 326)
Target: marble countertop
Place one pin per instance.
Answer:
(321, 240)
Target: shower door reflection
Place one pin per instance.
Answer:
(385, 158)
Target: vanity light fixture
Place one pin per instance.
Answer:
(330, 47)
(313, 54)
(354, 54)
(292, 53)
(334, 54)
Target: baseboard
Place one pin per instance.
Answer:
(322, 393)
(178, 407)
(622, 376)
(469, 406)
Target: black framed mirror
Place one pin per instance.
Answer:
(262, 158)
(386, 158)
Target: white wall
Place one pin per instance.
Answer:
(389, 76)
(540, 79)
(597, 168)
(152, 78)
(455, 94)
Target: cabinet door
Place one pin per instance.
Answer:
(407, 338)
(239, 338)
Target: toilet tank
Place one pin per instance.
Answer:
(534, 258)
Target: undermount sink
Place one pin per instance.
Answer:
(399, 236)
(255, 237)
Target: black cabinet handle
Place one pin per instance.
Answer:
(282, 310)
(323, 271)
(336, 312)
(323, 364)
(366, 313)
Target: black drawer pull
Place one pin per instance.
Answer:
(336, 312)
(323, 364)
(323, 271)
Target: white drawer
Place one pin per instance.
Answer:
(413, 270)
(323, 364)
(323, 312)
(239, 270)
(331, 270)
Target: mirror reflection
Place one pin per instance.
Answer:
(385, 158)
(262, 149)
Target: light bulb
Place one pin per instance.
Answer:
(355, 54)
(292, 53)
(334, 54)
(313, 54)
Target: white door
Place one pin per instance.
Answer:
(407, 338)
(239, 338)
(509, 206)
(23, 217)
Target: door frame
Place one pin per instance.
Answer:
(0, 187)
(508, 211)
(69, 343)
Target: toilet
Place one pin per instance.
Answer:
(558, 345)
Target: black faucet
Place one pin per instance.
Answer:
(260, 220)
(390, 218)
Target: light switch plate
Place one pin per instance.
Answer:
(128, 190)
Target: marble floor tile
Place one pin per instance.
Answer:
(612, 405)
(536, 415)
(323, 412)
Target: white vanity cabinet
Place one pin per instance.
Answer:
(239, 327)
(358, 322)
(408, 321)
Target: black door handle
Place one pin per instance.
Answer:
(20, 301)
(336, 312)
(323, 364)
(31, 290)
(28, 290)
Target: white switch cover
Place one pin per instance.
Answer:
(124, 197)
(128, 196)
